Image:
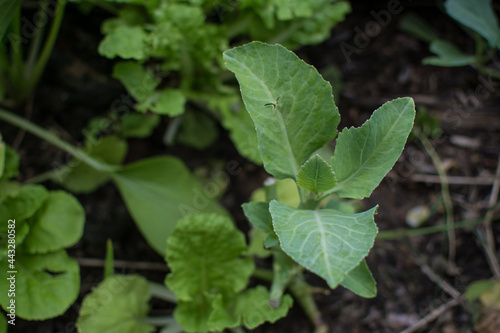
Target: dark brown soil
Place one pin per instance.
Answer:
(77, 86)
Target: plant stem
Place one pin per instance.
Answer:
(35, 75)
(160, 291)
(402, 233)
(302, 292)
(445, 192)
(56, 141)
(16, 52)
(35, 44)
(489, 239)
(263, 274)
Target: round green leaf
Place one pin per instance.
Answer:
(118, 305)
(45, 285)
(58, 224)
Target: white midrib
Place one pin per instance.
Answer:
(323, 245)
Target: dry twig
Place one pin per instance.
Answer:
(489, 240)
(433, 315)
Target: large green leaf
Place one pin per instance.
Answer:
(46, 285)
(56, 225)
(203, 253)
(364, 155)
(290, 103)
(7, 10)
(447, 55)
(207, 271)
(160, 191)
(477, 15)
(316, 175)
(327, 242)
(118, 305)
(360, 281)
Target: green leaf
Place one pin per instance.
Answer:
(168, 102)
(287, 100)
(258, 214)
(364, 155)
(254, 309)
(203, 253)
(327, 242)
(286, 191)
(124, 42)
(360, 281)
(24, 203)
(296, 23)
(239, 124)
(139, 82)
(447, 55)
(414, 25)
(477, 288)
(46, 285)
(206, 313)
(316, 175)
(137, 125)
(198, 130)
(10, 164)
(160, 191)
(7, 11)
(477, 15)
(79, 177)
(118, 305)
(58, 224)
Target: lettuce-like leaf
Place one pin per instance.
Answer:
(46, 284)
(118, 305)
(203, 253)
(56, 225)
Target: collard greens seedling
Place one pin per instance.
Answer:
(302, 119)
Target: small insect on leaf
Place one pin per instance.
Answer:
(274, 105)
